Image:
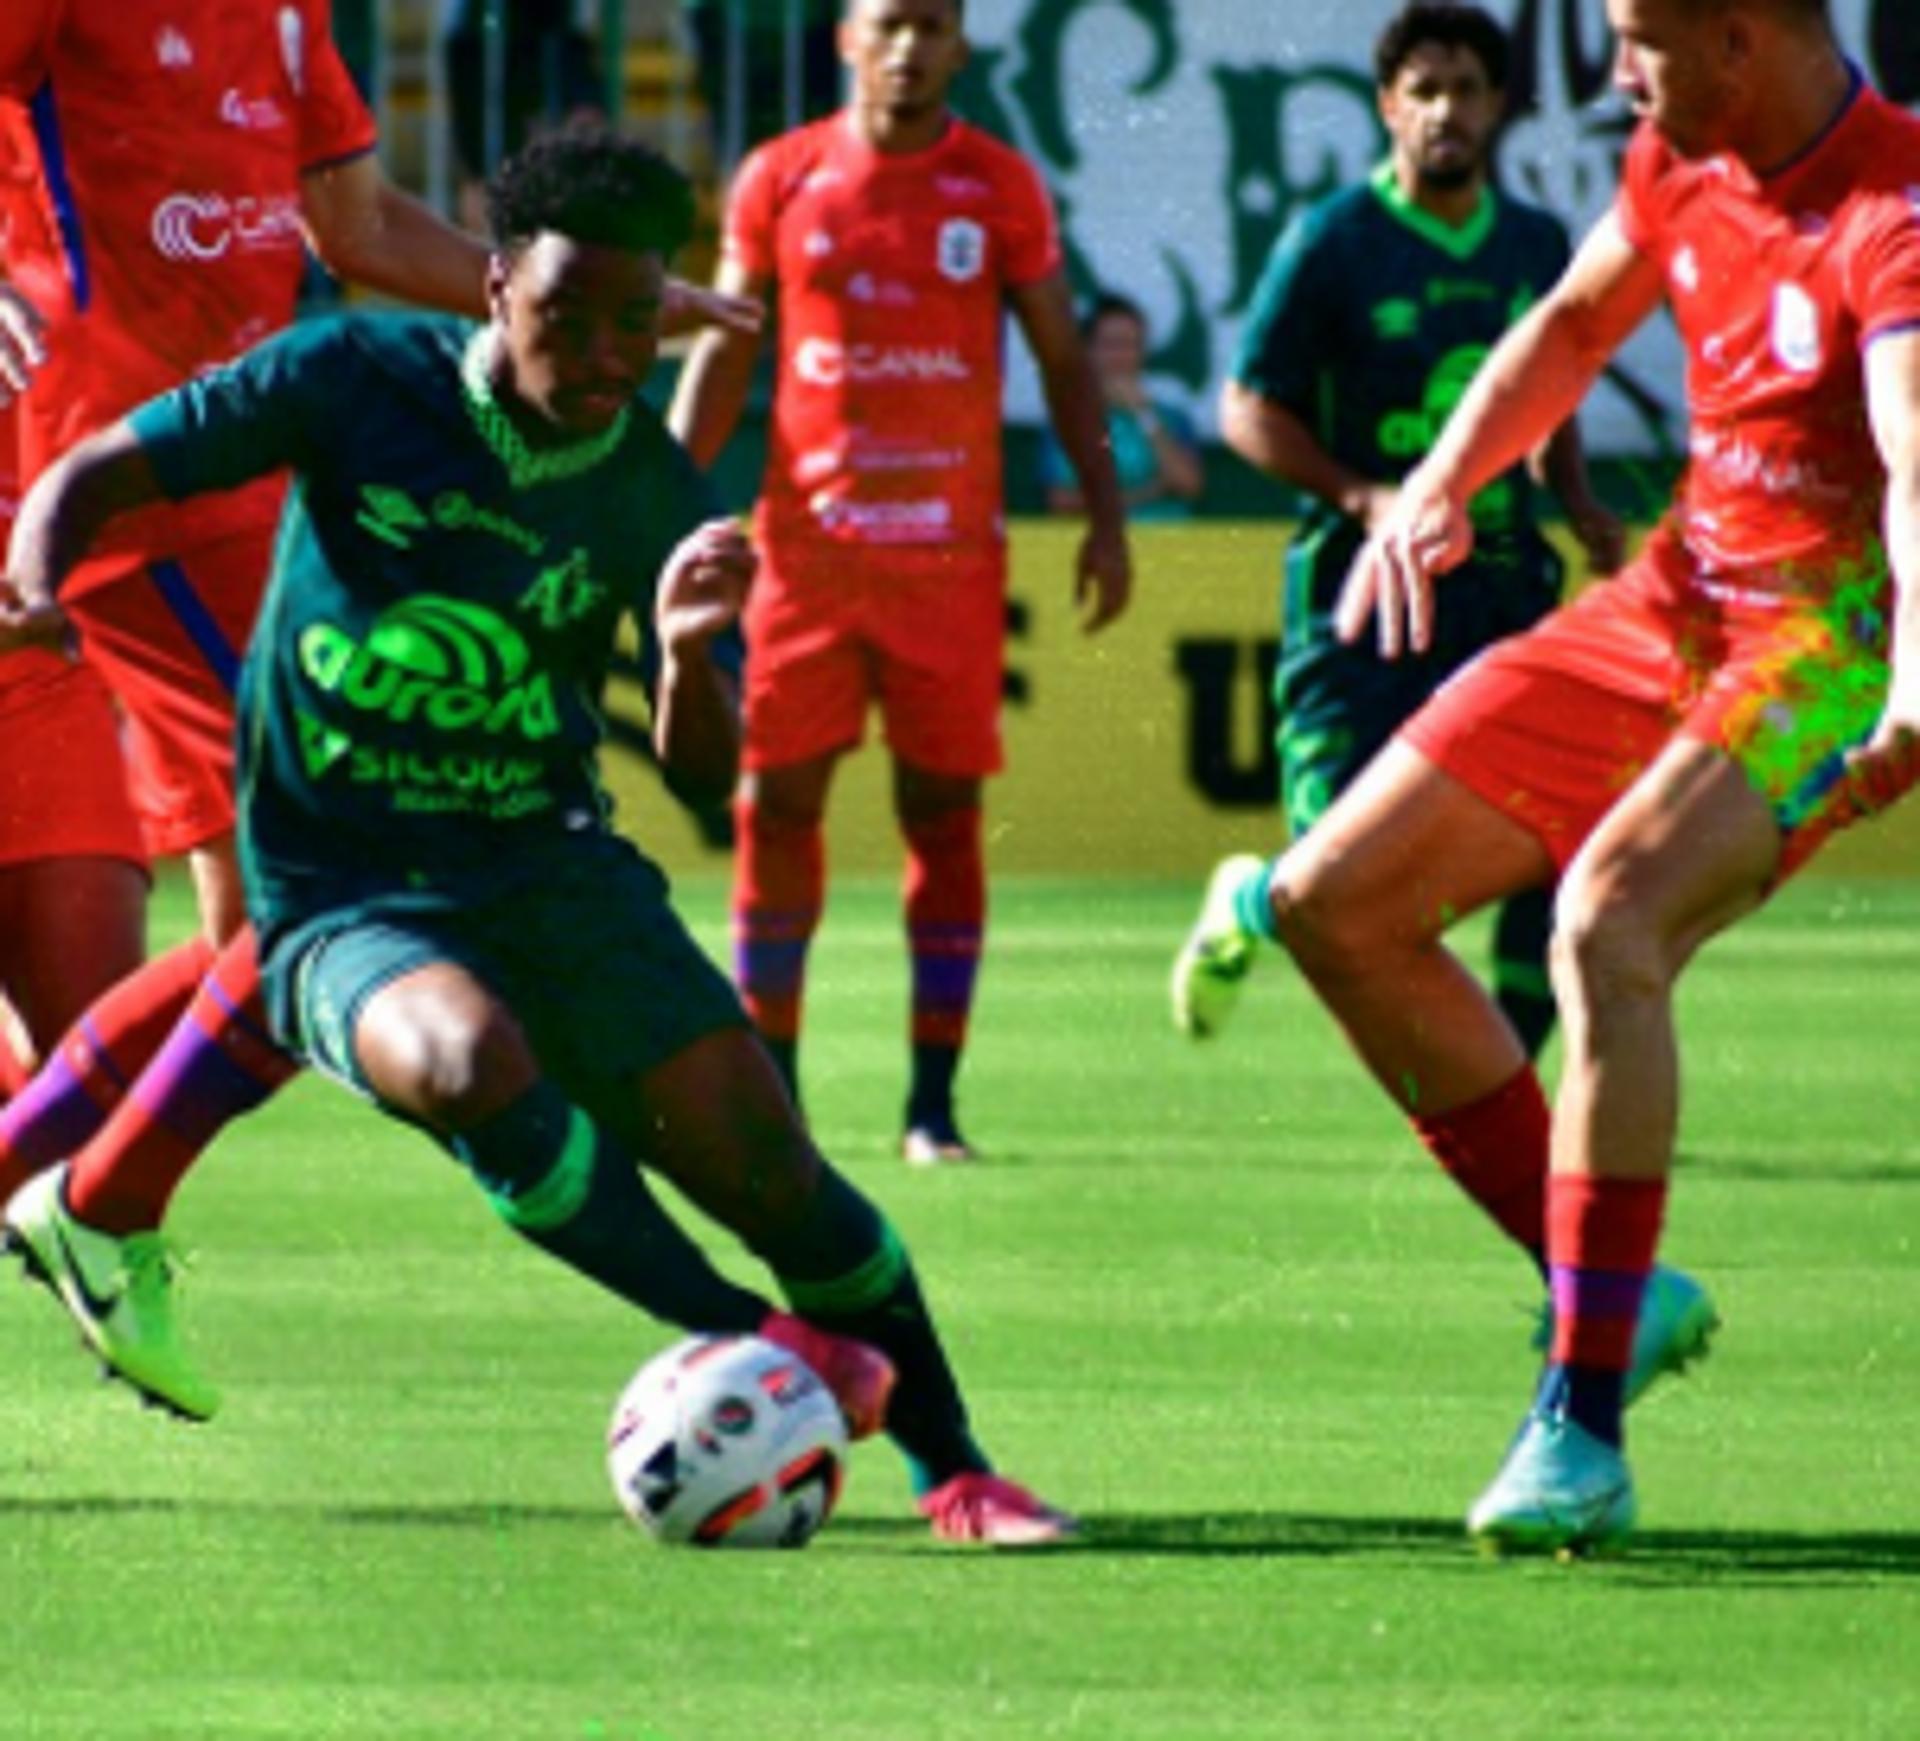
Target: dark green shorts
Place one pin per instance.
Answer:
(584, 950)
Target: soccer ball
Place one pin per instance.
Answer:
(727, 1441)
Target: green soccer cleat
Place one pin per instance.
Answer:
(1560, 1490)
(1218, 954)
(117, 1290)
(1677, 1323)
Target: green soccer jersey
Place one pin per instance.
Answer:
(1369, 321)
(421, 696)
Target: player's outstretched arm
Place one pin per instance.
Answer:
(696, 720)
(1530, 385)
(712, 390)
(1103, 578)
(367, 231)
(1888, 764)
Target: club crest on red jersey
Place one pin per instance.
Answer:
(1796, 330)
(962, 250)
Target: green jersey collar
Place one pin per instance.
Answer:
(525, 466)
(1456, 242)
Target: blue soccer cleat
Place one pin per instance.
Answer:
(1560, 1490)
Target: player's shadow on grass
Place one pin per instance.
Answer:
(1679, 1558)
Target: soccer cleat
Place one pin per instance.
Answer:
(117, 1290)
(1218, 954)
(935, 1142)
(1676, 1328)
(1560, 1490)
(860, 1377)
(990, 1509)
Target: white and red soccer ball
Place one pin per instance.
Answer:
(728, 1441)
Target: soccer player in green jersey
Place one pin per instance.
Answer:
(1375, 309)
(447, 920)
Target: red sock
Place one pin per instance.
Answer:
(14, 1075)
(779, 887)
(218, 1063)
(1601, 1237)
(1496, 1150)
(97, 1059)
(946, 912)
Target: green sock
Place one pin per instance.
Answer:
(843, 1268)
(1251, 905)
(562, 1183)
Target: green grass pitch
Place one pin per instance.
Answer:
(1213, 1298)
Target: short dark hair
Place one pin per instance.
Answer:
(959, 8)
(592, 184)
(1107, 304)
(1450, 24)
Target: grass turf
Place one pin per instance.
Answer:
(1212, 1297)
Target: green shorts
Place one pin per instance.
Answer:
(583, 949)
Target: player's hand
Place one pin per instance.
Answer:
(686, 308)
(1103, 579)
(1601, 534)
(23, 342)
(703, 585)
(1888, 763)
(1425, 534)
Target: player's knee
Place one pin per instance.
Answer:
(450, 1065)
(1606, 948)
(1318, 917)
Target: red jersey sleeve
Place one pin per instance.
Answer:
(752, 207)
(1635, 206)
(334, 123)
(26, 35)
(1029, 232)
(1883, 268)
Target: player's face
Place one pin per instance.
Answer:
(1670, 64)
(904, 54)
(1117, 346)
(1442, 111)
(580, 327)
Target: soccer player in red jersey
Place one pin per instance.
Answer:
(895, 235)
(1677, 741)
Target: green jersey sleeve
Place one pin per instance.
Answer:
(265, 411)
(1288, 316)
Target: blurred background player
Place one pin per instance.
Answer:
(448, 920)
(1374, 310)
(1155, 451)
(893, 233)
(1677, 741)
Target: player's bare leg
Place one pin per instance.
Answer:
(1362, 903)
(215, 868)
(778, 892)
(69, 929)
(1686, 851)
(945, 900)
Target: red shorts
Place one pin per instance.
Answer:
(63, 787)
(1553, 725)
(168, 636)
(923, 636)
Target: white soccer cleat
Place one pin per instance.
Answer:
(1218, 954)
(1560, 1490)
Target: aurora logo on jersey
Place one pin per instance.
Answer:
(1409, 434)
(439, 662)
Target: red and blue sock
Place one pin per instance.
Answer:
(96, 1062)
(779, 890)
(218, 1064)
(1601, 1237)
(946, 918)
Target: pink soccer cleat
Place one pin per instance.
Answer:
(861, 1378)
(991, 1509)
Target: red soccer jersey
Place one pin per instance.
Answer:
(170, 136)
(891, 273)
(1777, 283)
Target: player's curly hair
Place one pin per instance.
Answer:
(1448, 23)
(592, 184)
